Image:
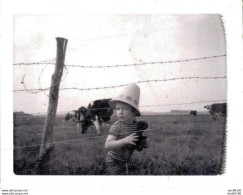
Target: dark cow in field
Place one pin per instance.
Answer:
(193, 113)
(217, 111)
(72, 115)
(98, 112)
(67, 117)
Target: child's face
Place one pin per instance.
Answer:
(124, 112)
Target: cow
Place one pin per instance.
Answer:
(217, 111)
(72, 115)
(98, 112)
(193, 113)
(67, 117)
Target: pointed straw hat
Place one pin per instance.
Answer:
(130, 95)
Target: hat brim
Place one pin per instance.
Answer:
(114, 101)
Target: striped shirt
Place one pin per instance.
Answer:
(121, 130)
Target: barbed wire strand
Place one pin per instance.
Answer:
(127, 65)
(161, 105)
(78, 139)
(122, 85)
(145, 106)
(206, 101)
(42, 113)
(44, 62)
(82, 138)
(144, 63)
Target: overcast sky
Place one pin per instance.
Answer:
(116, 40)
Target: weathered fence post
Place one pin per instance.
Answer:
(47, 135)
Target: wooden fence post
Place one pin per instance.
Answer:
(47, 135)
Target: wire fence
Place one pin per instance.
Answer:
(43, 62)
(145, 63)
(103, 135)
(51, 62)
(38, 90)
(142, 106)
(95, 136)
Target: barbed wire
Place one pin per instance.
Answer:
(44, 62)
(78, 139)
(83, 138)
(42, 113)
(143, 106)
(144, 63)
(48, 62)
(122, 65)
(206, 101)
(161, 105)
(117, 86)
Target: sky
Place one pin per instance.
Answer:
(96, 40)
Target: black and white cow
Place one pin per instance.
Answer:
(217, 111)
(193, 113)
(98, 112)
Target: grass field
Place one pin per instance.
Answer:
(183, 145)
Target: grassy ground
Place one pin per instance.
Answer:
(183, 145)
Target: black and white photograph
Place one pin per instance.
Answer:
(138, 100)
(124, 95)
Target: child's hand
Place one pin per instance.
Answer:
(131, 139)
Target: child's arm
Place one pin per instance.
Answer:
(112, 143)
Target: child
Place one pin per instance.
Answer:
(123, 136)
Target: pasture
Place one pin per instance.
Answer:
(182, 145)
